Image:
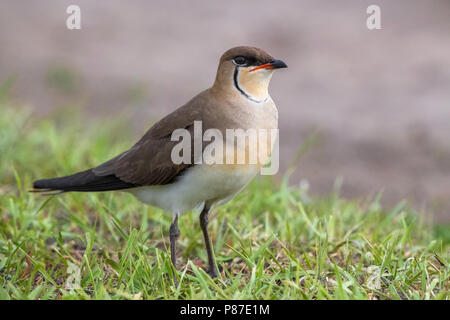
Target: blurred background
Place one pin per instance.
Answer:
(374, 105)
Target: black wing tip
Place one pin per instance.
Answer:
(40, 184)
(42, 187)
(85, 181)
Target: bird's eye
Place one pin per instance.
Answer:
(240, 61)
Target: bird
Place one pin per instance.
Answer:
(238, 99)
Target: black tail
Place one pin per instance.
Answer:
(82, 181)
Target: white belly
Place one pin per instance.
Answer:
(201, 183)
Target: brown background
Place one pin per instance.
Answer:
(380, 100)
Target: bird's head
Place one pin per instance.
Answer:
(247, 71)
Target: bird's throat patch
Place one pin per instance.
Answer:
(253, 85)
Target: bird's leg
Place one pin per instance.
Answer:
(212, 271)
(174, 234)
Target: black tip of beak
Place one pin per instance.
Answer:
(277, 64)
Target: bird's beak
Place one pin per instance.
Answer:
(273, 64)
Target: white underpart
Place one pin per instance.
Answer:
(200, 184)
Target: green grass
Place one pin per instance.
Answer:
(271, 242)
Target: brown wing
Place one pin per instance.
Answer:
(149, 161)
(146, 163)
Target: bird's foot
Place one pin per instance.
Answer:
(171, 276)
(176, 283)
(212, 272)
